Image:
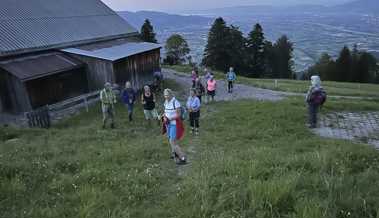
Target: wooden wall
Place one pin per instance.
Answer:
(137, 69)
(98, 71)
(58, 87)
(18, 95)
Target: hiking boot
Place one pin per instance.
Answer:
(197, 132)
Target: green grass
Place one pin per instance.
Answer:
(298, 86)
(253, 159)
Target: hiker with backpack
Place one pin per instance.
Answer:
(193, 106)
(148, 102)
(211, 88)
(129, 98)
(108, 101)
(173, 124)
(315, 99)
(199, 88)
(231, 78)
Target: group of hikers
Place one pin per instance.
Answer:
(173, 115)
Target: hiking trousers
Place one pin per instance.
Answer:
(312, 114)
(194, 119)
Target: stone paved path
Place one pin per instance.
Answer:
(360, 126)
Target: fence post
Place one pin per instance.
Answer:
(276, 83)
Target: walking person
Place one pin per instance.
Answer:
(193, 106)
(193, 77)
(315, 98)
(231, 78)
(200, 90)
(129, 98)
(211, 88)
(108, 101)
(148, 101)
(173, 125)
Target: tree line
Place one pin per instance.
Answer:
(350, 66)
(252, 56)
(255, 56)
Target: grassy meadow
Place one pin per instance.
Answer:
(252, 159)
(299, 86)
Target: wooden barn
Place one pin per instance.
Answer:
(54, 50)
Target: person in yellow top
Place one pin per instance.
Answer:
(108, 101)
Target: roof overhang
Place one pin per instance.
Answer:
(116, 52)
(37, 66)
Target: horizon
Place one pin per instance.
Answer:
(172, 6)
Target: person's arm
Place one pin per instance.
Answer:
(142, 99)
(154, 99)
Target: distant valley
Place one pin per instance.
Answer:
(313, 29)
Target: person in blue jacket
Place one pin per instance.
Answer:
(129, 98)
(231, 78)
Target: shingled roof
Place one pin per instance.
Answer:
(35, 25)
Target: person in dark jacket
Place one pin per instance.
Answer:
(148, 101)
(129, 98)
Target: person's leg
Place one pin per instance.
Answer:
(130, 112)
(171, 131)
(192, 122)
(199, 96)
(196, 122)
(105, 115)
(231, 86)
(312, 115)
(111, 116)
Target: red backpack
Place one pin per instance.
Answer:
(318, 96)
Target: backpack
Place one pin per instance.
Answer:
(318, 96)
(183, 112)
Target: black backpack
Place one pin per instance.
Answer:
(318, 96)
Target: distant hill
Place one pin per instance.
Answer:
(163, 21)
(359, 6)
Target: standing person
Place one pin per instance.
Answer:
(172, 124)
(207, 75)
(211, 88)
(108, 100)
(193, 106)
(148, 102)
(129, 97)
(315, 98)
(200, 90)
(231, 78)
(193, 77)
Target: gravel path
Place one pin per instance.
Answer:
(240, 91)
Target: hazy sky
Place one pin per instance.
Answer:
(174, 5)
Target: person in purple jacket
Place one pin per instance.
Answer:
(129, 97)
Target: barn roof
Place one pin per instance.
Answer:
(31, 25)
(113, 50)
(36, 66)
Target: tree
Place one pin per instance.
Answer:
(282, 63)
(176, 49)
(235, 47)
(216, 53)
(366, 68)
(324, 67)
(344, 65)
(256, 51)
(147, 32)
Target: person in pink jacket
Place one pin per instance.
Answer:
(211, 88)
